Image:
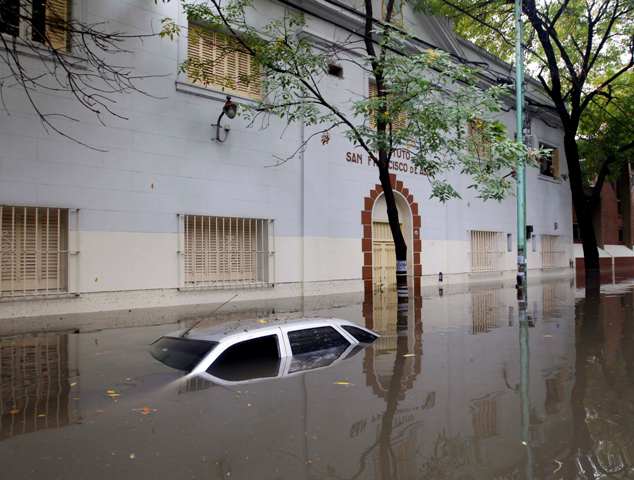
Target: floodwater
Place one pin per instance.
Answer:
(456, 388)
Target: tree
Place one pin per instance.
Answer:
(606, 136)
(424, 101)
(45, 50)
(578, 49)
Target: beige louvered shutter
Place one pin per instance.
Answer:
(397, 123)
(372, 93)
(57, 18)
(556, 164)
(217, 60)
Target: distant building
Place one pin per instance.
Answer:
(167, 216)
(614, 228)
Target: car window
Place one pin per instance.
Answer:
(361, 335)
(318, 359)
(313, 339)
(181, 353)
(254, 358)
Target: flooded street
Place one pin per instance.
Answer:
(458, 391)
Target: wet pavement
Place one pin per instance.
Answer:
(455, 388)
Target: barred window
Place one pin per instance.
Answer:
(487, 250)
(551, 251)
(33, 250)
(483, 312)
(484, 413)
(227, 251)
(44, 21)
(217, 60)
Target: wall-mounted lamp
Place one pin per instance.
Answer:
(229, 109)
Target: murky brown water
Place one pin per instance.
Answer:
(460, 391)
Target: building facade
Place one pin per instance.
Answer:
(614, 228)
(163, 214)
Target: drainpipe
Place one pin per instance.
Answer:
(302, 206)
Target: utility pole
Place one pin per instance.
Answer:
(521, 167)
(522, 290)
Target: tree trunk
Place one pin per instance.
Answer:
(584, 211)
(395, 227)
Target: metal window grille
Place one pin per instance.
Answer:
(35, 388)
(549, 300)
(227, 251)
(33, 251)
(484, 417)
(487, 251)
(484, 312)
(550, 251)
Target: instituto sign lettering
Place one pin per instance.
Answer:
(400, 163)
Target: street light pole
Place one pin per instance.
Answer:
(522, 279)
(521, 167)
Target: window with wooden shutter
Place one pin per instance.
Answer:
(549, 164)
(33, 251)
(226, 251)
(478, 143)
(397, 123)
(397, 12)
(217, 60)
(43, 21)
(57, 17)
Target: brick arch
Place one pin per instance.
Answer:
(366, 241)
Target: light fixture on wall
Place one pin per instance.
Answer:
(229, 109)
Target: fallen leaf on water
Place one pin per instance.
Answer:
(145, 410)
(261, 320)
(112, 393)
(342, 382)
(408, 355)
(73, 384)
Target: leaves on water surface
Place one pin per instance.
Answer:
(145, 410)
(343, 382)
(112, 393)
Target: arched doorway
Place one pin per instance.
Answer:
(377, 244)
(383, 252)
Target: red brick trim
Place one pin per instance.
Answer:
(366, 221)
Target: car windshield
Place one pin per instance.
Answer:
(181, 353)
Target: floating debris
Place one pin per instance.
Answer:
(145, 410)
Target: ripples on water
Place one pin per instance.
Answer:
(440, 396)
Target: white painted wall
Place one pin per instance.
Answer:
(160, 162)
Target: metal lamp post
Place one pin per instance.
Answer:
(521, 245)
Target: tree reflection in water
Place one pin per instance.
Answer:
(602, 400)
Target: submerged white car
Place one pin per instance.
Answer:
(239, 351)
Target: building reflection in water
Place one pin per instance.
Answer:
(36, 373)
(484, 440)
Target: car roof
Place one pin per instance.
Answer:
(226, 330)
